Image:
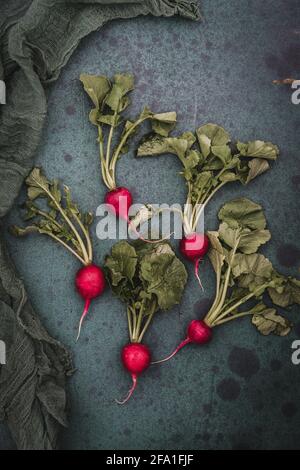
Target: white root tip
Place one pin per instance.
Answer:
(197, 262)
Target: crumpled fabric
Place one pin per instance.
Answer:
(37, 37)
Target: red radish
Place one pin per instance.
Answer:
(194, 247)
(198, 333)
(136, 358)
(90, 283)
(120, 199)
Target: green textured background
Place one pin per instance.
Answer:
(241, 391)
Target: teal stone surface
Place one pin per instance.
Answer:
(242, 390)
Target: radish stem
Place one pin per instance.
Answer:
(66, 246)
(87, 237)
(64, 215)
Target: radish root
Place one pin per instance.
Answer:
(181, 345)
(134, 383)
(146, 240)
(196, 271)
(84, 313)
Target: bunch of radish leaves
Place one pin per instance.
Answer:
(209, 162)
(245, 278)
(52, 212)
(60, 218)
(111, 99)
(147, 278)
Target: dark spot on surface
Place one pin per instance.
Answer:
(258, 406)
(206, 408)
(113, 41)
(286, 63)
(220, 436)
(289, 409)
(156, 372)
(243, 362)
(93, 390)
(70, 110)
(296, 178)
(288, 255)
(215, 369)
(205, 436)
(275, 365)
(127, 431)
(68, 158)
(176, 437)
(228, 389)
(297, 329)
(201, 307)
(277, 384)
(205, 57)
(227, 45)
(258, 430)
(242, 445)
(142, 88)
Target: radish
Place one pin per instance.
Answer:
(147, 278)
(110, 98)
(136, 358)
(198, 332)
(90, 283)
(243, 277)
(194, 247)
(65, 224)
(120, 200)
(209, 162)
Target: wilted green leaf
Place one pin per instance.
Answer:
(287, 293)
(251, 241)
(156, 145)
(229, 176)
(257, 166)
(243, 213)
(216, 252)
(258, 149)
(37, 184)
(122, 262)
(267, 321)
(254, 272)
(223, 152)
(165, 276)
(22, 232)
(163, 123)
(116, 99)
(96, 86)
(211, 135)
